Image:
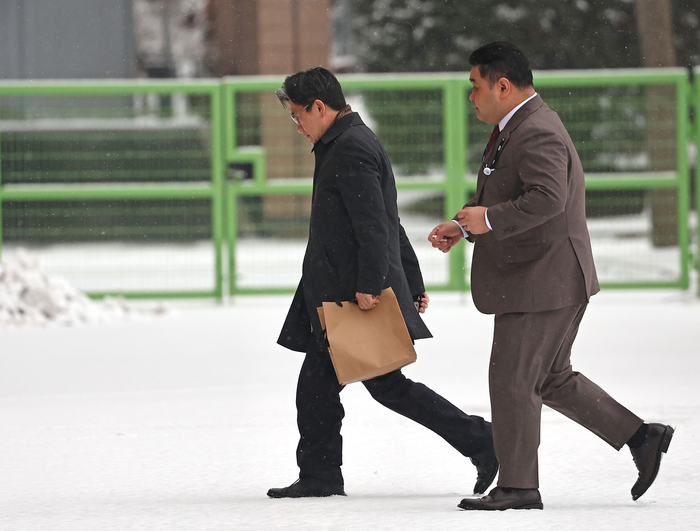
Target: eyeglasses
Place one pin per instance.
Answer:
(296, 118)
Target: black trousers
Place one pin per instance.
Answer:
(320, 415)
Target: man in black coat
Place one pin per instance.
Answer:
(356, 249)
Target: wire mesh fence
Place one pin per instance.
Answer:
(629, 130)
(128, 173)
(169, 176)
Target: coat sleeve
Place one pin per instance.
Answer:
(409, 262)
(296, 330)
(358, 167)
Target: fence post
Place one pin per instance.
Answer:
(683, 169)
(455, 138)
(695, 126)
(228, 136)
(217, 185)
(0, 195)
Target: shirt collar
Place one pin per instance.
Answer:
(502, 124)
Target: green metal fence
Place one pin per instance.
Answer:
(630, 128)
(268, 210)
(634, 151)
(695, 139)
(117, 185)
(175, 189)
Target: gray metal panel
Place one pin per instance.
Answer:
(66, 39)
(11, 26)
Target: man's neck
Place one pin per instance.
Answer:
(337, 115)
(519, 96)
(332, 117)
(524, 96)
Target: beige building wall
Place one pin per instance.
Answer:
(275, 37)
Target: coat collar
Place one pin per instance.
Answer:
(339, 127)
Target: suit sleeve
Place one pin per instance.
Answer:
(471, 203)
(543, 170)
(358, 168)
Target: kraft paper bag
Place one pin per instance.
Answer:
(366, 343)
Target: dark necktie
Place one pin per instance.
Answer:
(494, 136)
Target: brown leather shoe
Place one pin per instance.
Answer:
(647, 457)
(486, 469)
(307, 488)
(501, 498)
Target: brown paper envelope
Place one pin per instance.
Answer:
(367, 343)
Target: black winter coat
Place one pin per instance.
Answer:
(356, 243)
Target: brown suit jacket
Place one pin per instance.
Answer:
(538, 255)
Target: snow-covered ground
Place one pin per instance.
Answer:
(30, 296)
(184, 420)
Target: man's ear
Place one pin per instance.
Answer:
(504, 87)
(321, 106)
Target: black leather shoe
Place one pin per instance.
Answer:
(486, 469)
(647, 457)
(307, 488)
(500, 499)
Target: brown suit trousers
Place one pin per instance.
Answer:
(530, 366)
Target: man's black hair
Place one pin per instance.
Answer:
(303, 88)
(502, 59)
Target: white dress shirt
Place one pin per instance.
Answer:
(501, 127)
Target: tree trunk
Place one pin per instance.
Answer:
(656, 42)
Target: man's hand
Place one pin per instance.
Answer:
(473, 219)
(445, 236)
(423, 304)
(366, 301)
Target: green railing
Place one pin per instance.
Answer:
(662, 134)
(453, 186)
(91, 165)
(638, 194)
(696, 140)
(221, 182)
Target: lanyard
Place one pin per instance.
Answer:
(496, 156)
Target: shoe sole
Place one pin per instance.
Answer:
(533, 506)
(279, 496)
(529, 506)
(663, 448)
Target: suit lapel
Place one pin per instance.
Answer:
(526, 110)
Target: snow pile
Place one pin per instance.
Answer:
(30, 297)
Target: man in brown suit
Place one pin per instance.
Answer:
(533, 268)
